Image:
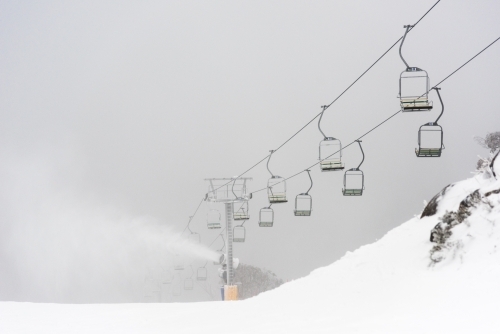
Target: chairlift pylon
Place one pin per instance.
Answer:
(330, 150)
(266, 217)
(354, 179)
(430, 136)
(303, 202)
(276, 186)
(412, 82)
(239, 233)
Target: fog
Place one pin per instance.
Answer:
(61, 249)
(112, 114)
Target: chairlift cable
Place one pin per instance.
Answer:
(335, 100)
(352, 84)
(191, 217)
(240, 175)
(302, 171)
(387, 119)
(217, 237)
(467, 62)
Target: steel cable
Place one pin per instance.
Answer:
(327, 106)
(387, 119)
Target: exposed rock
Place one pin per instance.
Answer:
(492, 192)
(431, 207)
(442, 231)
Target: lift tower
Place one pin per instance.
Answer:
(229, 191)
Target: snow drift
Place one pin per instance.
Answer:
(403, 283)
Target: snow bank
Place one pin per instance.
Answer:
(390, 286)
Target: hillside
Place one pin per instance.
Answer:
(403, 283)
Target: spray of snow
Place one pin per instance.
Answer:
(59, 248)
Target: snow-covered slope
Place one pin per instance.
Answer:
(390, 286)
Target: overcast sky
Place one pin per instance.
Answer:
(113, 113)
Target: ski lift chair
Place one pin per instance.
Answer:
(176, 289)
(276, 190)
(330, 155)
(354, 179)
(303, 202)
(429, 130)
(214, 219)
(430, 136)
(168, 277)
(178, 264)
(201, 273)
(242, 212)
(353, 182)
(239, 233)
(188, 284)
(330, 150)
(413, 81)
(266, 217)
(276, 186)
(194, 237)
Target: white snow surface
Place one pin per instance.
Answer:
(389, 286)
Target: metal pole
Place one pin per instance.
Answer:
(229, 239)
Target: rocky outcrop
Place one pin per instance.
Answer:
(442, 231)
(431, 207)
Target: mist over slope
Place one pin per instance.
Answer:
(399, 284)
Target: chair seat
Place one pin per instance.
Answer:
(428, 152)
(416, 104)
(213, 226)
(416, 108)
(352, 192)
(331, 165)
(302, 212)
(238, 239)
(241, 216)
(265, 224)
(277, 198)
